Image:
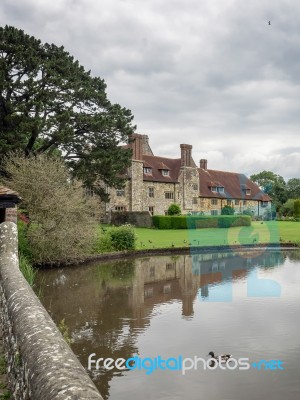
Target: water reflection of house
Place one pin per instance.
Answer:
(161, 280)
(106, 307)
(165, 279)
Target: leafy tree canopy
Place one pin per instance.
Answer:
(49, 103)
(272, 184)
(293, 188)
(267, 179)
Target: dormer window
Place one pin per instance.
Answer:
(165, 172)
(147, 170)
(247, 192)
(217, 189)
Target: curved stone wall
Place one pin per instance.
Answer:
(41, 366)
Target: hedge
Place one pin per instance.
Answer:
(202, 221)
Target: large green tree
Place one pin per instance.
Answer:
(293, 188)
(49, 103)
(272, 184)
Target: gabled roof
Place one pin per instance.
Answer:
(233, 184)
(159, 163)
(7, 194)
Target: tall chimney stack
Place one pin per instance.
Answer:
(203, 163)
(136, 144)
(186, 155)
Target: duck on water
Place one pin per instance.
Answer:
(222, 358)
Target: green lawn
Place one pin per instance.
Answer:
(266, 232)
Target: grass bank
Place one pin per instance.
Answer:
(266, 232)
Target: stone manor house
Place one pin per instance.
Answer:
(153, 183)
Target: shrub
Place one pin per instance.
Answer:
(27, 270)
(104, 244)
(199, 221)
(227, 210)
(248, 211)
(287, 209)
(174, 209)
(122, 237)
(23, 245)
(297, 209)
(62, 223)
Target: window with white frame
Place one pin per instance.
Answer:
(147, 170)
(165, 172)
(217, 189)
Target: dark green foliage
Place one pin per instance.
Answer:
(174, 209)
(297, 209)
(293, 188)
(122, 238)
(272, 184)
(227, 210)
(49, 103)
(196, 222)
(23, 244)
(287, 209)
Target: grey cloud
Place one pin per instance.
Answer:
(210, 73)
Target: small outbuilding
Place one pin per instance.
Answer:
(8, 204)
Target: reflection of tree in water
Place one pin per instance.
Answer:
(271, 259)
(293, 255)
(114, 336)
(119, 272)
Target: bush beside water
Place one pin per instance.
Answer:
(117, 239)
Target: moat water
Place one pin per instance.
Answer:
(245, 304)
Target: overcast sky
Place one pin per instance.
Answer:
(211, 73)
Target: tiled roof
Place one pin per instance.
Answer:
(159, 163)
(233, 184)
(6, 193)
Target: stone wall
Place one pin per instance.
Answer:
(189, 189)
(206, 206)
(159, 202)
(41, 366)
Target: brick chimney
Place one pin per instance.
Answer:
(139, 145)
(203, 163)
(186, 155)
